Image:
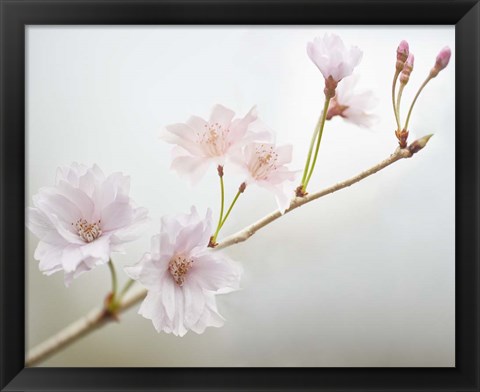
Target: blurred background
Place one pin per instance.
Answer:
(364, 277)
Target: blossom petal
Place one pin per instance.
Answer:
(168, 297)
(221, 115)
(193, 168)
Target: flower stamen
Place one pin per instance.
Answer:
(264, 162)
(88, 231)
(178, 267)
(214, 139)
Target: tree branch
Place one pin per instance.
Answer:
(99, 316)
(246, 233)
(95, 319)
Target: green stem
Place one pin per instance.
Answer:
(220, 218)
(312, 144)
(226, 216)
(415, 100)
(127, 286)
(399, 98)
(319, 140)
(231, 207)
(395, 77)
(113, 298)
(114, 278)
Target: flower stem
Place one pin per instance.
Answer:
(113, 273)
(319, 140)
(222, 204)
(112, 299)
(397, 119)
(125, 288)
(415, 100)
(399, 99)
(231, 207)
(240, 191)
(312, 144)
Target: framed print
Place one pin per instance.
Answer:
(239, 196)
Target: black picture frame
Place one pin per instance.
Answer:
(16, 14)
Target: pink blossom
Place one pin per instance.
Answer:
(332, 57)
(200, 143)
(182, 276)
(353, 106)
(264, 164)
(83, 219)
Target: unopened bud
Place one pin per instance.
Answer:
(242, 187)
(418, 144)
(407, 69)
(402, 51)
(220, 170)
(442, 60)
(402, 55)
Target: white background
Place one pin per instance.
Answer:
(364, 277)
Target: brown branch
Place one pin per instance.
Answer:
(246, 233)
(99, 317)
(95, 319)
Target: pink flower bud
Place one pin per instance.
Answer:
(407, 69)
(402, 51)
(441, 62)
(443, 58)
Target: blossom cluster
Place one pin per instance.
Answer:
(86, 216)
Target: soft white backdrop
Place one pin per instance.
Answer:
(364, 277)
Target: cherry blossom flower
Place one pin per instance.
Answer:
(332, 58)
(200, 143)
(83, 219)
(182, 276)
(264, 164)
(353, 106)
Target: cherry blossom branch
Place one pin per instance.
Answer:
(101, 316)
(246, 233)
(95, 319)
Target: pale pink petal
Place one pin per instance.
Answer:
(115, 216)
(71, 258)
(198, 124)
(193, 168)
(332, 58)
(184, 136)
(214, 272)
(38, 223)
(168, 296)
(221, 115)
(194, 303)
(147, 272)
(77, 197)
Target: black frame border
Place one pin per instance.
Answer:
(16, 14)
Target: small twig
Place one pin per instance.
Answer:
(99, 317)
